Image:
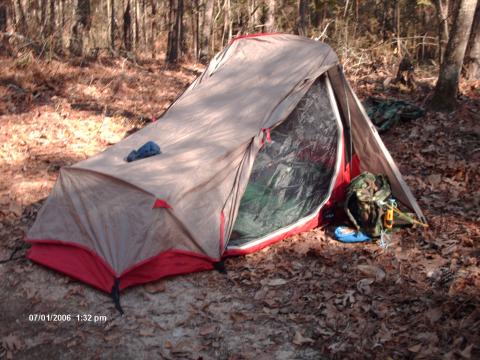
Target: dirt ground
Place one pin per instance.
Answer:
(308, 297)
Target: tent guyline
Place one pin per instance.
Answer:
(261, 146)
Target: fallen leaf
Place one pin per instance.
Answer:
(277, 282)
(155, 287)
(434, 315)
(207, 329)
(415, 348)
(147, 332)
(324, 332)
(239, 316)
(372, 271)
(11, 343)
(363, 286)
(183, 346)
(112, 337)
(15, 208)
(299, 339)
(434, 179)
(467, 352)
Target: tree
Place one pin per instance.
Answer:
(127, 27)
(270, 23)
(442, 19)
(3, 17)
(3, 27)
(136, 33)
(175, 32)
(21, 24)
(302, 17)
(207, 29)
(446, 89)
(111, 23)
(51, 18)
(80, 28)
(195, 27)
(227, 22)
(43, 14)
(154, 27)
(472, 59)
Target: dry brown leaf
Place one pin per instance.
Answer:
(155, 287)
(372, 271)
(239, 316)
(183, 346)
(112, 337)
(299, 339)
(363, 286)
(434, 315)
(12, 343)
(467, 352)
(415, 348)
(147, 332)
(434, 179)
(207, 329)
(277, 282)
(15, 208)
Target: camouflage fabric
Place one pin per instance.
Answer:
(364, 201)
(385, 114)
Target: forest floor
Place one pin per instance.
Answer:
(308, 297)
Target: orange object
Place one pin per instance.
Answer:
(388, 218)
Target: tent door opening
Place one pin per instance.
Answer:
(293, 175)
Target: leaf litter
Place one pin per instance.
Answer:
(306, 297)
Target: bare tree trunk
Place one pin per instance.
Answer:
(302, 17)
(4, 48)
(397, 27)
(144, 24)
(256, 14)
(43, 16)
(51, 18)
(50, 27)
(111, 24)
(384, 20)
(80, 28)
(21, 24)
(127, 27)
(206, 30)
(175, 33)
(62, 25)
(227, 23)
(472, 59)
(3, 17)
(136, 36)
(194, 21)
(446, 90)
(197, 30)
(137, 25)
(154, 27)
(442, 18)
(270, 23)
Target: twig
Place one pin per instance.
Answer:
(11, 258)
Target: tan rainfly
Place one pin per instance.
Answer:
(187, 198)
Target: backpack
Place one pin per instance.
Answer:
(364, 203)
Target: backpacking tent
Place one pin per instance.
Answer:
(259, 147)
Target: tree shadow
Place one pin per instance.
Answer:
(24, 89)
